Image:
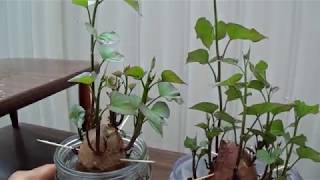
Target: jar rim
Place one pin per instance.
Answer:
(130, 167)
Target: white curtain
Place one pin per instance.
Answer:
(55, 29)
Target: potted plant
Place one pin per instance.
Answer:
(263, 143)
(101, 150)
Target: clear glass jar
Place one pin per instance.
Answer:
(182, 169)
(65, 161)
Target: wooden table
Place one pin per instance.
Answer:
(25, 81)
(20, 150)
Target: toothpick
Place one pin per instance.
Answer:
(56, 144)
(124, 122)
(137, 160)
(204, 177)
(72, 148)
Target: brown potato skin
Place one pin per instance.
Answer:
(111, 146)
(225, 163)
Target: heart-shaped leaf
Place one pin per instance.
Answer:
(231, 81)
(136, 72)
(124, 104)
(161, 108)
(168, 91)
(277, 128)
(204, 30)
(308, 153)
(76, 115)
(299, 140)
(225, 117)
(200, 56)
(237, 31)
(207, 107)
(233, 93)
(302, 109)
(108, 54)
(108, 38)
(154, 119)
(191, 143)
(86, 78)
(170, 76)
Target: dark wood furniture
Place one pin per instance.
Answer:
(25, 81)
(20, 150)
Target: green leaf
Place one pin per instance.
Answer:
(274, 108)
(203, 126)
(134, 4)
(83, 3)
(154, 118)
(108, 54)
(264, 156)
(200, 55)
(204, 30)
(231, 61)
(170, 76)
(108, 38)
(225, 117)
(299, 140)
(222, 27)
(161, 108)
(259, 71)
(207, 107)
(233, 93)
(236, 31)
(213, 132)
(302, 109)
(203, 152)
(231, 81)
(168, 91)
(124, 104)
(268, 157)
(267, 137)
(191, 143)
(136, 72)
(86, 78)
(277, 128)
(256, 84)
(91, 29)
(281, 178)
(308, 153)
(76, 115)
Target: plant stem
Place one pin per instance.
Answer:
(291, 146)
(219, 67)
(194, 168)
(244, 114)
(96, 117)
(140, 117)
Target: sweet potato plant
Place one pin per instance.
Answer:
(258, 124)
(102, 146)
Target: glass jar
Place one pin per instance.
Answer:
(65, 161)
(182, 169)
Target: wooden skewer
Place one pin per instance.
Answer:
(77, 149)
(204, 177)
